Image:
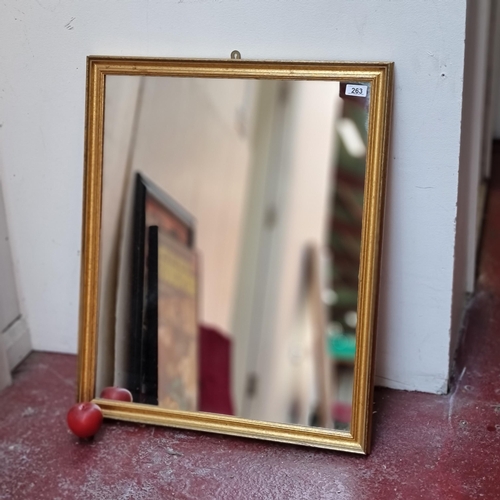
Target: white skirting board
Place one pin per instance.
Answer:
(16, 342)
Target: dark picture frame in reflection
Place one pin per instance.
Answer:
(243, 155)
(163, 300)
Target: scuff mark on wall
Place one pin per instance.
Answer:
(68, 25)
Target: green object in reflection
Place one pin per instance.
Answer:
(346, 297)
(342, 347)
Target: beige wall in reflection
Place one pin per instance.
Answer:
(192, 139)
(193, 142)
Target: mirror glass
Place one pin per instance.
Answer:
(230, 245)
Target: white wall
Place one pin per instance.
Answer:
(42, 84)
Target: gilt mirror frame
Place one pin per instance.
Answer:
(380, 77)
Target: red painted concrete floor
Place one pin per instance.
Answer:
(425, 446)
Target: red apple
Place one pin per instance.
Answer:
(84, 419)
(117, 393)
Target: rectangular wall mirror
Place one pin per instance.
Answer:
(231, 244)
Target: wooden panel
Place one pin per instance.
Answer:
(9, 305)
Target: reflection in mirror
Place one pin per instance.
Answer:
(230, 245)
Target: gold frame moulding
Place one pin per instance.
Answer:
(380, 78)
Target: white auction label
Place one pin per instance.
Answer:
(356, 90)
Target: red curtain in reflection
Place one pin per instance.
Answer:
(215, 372)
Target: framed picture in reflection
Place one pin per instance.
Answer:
(162, 361)
(177, 325)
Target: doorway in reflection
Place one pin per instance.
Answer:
(231, 227)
